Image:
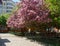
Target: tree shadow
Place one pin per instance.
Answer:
(3, 41)
(52, 41)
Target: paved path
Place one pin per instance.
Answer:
(12, 40)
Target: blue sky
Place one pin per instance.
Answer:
(16, 0)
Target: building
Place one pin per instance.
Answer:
(6, 6)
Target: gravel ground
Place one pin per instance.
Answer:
(12, 40)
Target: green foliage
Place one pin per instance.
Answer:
(54, 6)
(57, 21)
(3, 19)
(5, 15)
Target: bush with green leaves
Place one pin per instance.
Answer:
(3, 19)
(56, 22)
(54, 6)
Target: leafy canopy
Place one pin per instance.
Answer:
(30, 11)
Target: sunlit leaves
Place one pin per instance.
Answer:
(54, 6)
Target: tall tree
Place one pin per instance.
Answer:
(54, 6)
(30, 11)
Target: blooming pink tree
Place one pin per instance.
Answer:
(29, 11)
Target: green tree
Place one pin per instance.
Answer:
(3, 18)
(54, 6)
(2, 21)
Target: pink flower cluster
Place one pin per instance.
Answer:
(31, 10)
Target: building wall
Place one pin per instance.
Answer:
(7, 6)
(1, 7)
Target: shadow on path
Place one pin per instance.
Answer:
(45, 41)
(3, 41)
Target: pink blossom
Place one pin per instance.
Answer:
(31, 10)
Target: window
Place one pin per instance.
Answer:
(9, 4)
(9, 7)
(8, 11)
